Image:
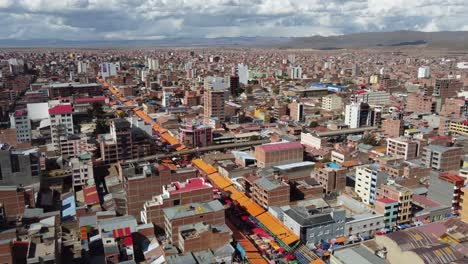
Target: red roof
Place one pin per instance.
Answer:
(61, 109)
(280, 146)
(423, 200)
(91, 100)
(190, 185)
(90, 195)
(387, 200)
(453, 178)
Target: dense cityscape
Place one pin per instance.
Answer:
(233, 155)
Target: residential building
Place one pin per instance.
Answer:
(364, 225)
(214, 104)
(457, 127)
(358, 115)
(194, 190)
(446, 189)
(403, 147)
(273, 154)
(82, 169)
(393, 127)
(269, 192)
(199, 237)
(332, 179)
(464, 204)
(446, 88)
(57, 90)
(243, 73)
(401, 194)
(332, 102)
(192, 135)
(296, 111)
(389, 208)
(373, 97)
(19, 120)
(295, 72)
(442, 158)
(209, 213)
(19, 167)
(368, 179)
(420, 103)
(61, 123)
(73, 145)
(312, 141)
(424, 72)
(315, 225)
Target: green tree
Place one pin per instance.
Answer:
(101, 127)
(369, 140)
(96, 110)
(276, 90)
(313, 124)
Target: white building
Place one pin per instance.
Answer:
(109, 69)
(295, 72)
(61, 123)
(462, 65)
(153, 64)
(364, 224)
(243, 73)
(82, 169)
(292, 58)
(312, 141)
(424, 72)
(368, 178)
(216, 83)
(374, 97)
(332, 102)
(82, 67)
(168, 94)
(352, 115)
(19, 120)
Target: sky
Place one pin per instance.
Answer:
(158, 19)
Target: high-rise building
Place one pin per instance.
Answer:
(82, 169)
(82, 67)
(153, 64)
(358, 115)
(20, 122)
(121, 133)
(195, 135)
(19, 167)
(234, 85)
(393, 126)
(332, 180)
(109, 69)
(61, 123)
(446, 88)
(295, 72)
(424, 72)
(368, 179)
(214, 104)
(355, 70)
(243, 73)
(296, 111)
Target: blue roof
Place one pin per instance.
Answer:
(333, 165)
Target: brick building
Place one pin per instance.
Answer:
(402, 195)
(442, 158)
(331, 179)
(270, 192)
(269, 155)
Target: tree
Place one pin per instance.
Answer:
(276, 90)
(96, 110)
(248, 90)
(101, 127)
(313, 124)
(369, 140)
(122, 114)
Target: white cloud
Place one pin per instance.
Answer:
(150, 19)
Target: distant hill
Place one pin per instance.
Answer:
(444, 39)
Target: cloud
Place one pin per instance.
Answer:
(154, 19)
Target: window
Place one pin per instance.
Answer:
(176, 202)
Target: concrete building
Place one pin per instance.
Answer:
(56, 90)
(446, 88)
(142, 181)
(82, 169)
(373, 97)
(214, 105)
(458, 127)
(332, 102)
(269, 192)
(403, 147)
(296, 111)
(19, 120)
(195, 190)
(333, 180)
(312, 141)
(464, 204)
(273, 154)
(209, 213)
(295, 72)
(389, 209)
(200, 237)
(192, 135)
(19, 167)
(442, 158)
(358, 115)
(73, 145)
(420, 103)
(368, 179)
(61, 123)
(393, 127)
(401, 194)
(314, 226)
(424, 72)
(243, 73)
(446, 189)
(364, 225)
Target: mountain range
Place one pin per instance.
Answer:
(443, 39)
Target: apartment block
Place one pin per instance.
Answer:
(401, 194)
(270, 192)
(332, 180)
(19, 120)
(393, 127)
(61, 123)
(368, 179)
(442, 158)
(209, 213)
(446, 189)
(403, 147)
(332, 102)
(389, 208)
(199, 237)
